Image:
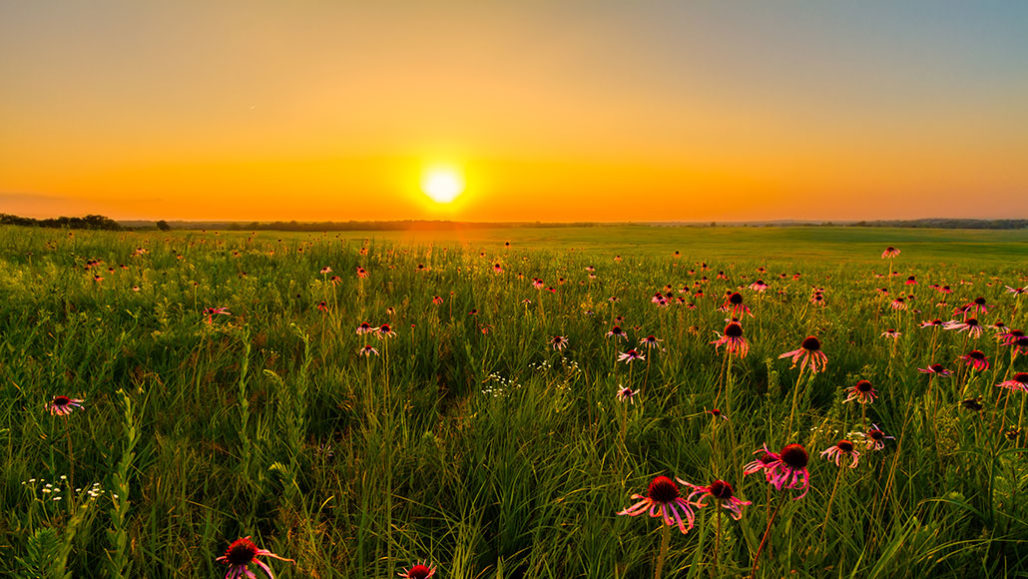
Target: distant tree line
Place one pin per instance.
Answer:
(87, 222)
(948, 223)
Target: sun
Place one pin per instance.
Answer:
(442, 184)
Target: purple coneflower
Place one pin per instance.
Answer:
(810, 353)
(617, 332)
(843, 448)
(559, 343)
(764, 463)
(891, 333)
(936, 323)
(385, 331)
(790, 470)
(63, 405)
(663, 500)
(240, 554)
(650, 342)
(365, 328)
(418, 571)
(733, 340)
(1018, 382)
(735, 305)
(976, 359)
(218, 311)
(874, 438)
(722, 494)
(969, 325)
(899, 304)
(890, 252)
(367, 350)
(758, 286)
(625, 394)
(630, 356)
(862, 392)
(937, 369)
(325, 270)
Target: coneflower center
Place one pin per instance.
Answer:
(1021, 377)
(811, 344)
(662, 490)
(979, 301)
(937, 368)
(795, 456)
(733, 330)
(864, 386)
(721, 490)
(876, 434)
(419, 572)
(61, 401)
(845, 446)
(976, 355)
(735, 298)
(241, 552)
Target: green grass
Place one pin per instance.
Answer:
(469, 442)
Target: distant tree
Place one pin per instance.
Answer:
(163, 225)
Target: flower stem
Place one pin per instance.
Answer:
(795, 401)
(763, 540)
(665, 538)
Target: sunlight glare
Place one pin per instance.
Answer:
(442, 184)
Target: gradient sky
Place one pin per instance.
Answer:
(556, 111)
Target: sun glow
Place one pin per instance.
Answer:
(442, 184)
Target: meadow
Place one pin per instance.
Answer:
(165, 394)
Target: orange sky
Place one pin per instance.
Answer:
(577, 111)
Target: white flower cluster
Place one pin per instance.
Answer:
(502, 387)
(53, 492)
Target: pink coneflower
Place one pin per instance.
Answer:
(241, 553)
(763, 464)
(335, 280)
(976, 307)
(617, 332)
(323, 306)
(817, 298)
(1010, 337)
(882, 291)
(362, 273)
(558, 343)
(735, 305)
(630, 356)
(733, 340)
(418, 571)
(650, 342)
(808, 353)
(899, 304)
(367, 350)
(722, 494)
(438, 300)
(862, 392)
(218, 311)
(758, 286)
(716, 413)
(874, 438)
(891, 333)
(1018, 382)
(365, 328)
(325, 270)
(790, 470)
(936, 323)
(910, 281)
(625, 394)
(385, 331)
(1016, 290)
(1020, 346)
(473, 312)
(497, 268)
(843, 448)
(537, 283)
(63, 405)
(937, 369)
(969, 325)
(976, 359)
(890, 252)
(663, 500)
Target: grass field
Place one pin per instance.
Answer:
(468, 441)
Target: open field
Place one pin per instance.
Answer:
(227, 392)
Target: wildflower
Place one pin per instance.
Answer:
(874, 438)
(617, 332)
(899, 304)
(911, 281)
(365, 328)
(497, 268)
(361, 272)
(722, 494)
(936, 323)
(790, 470)
(559, 343)
(862, 392)
(841, 449)
(733, 340)
(1017, 291)
(325, 270)
(758, 286)
(537, 283)
(969, 325)
(384, 331)
(976, 359)
(650, 342)
(625, 394)
(335, 280)
(735, 305)
(437, 300)
(716, 413)
(211, 312)
(323, 306)
(63, 406)
(890, 252)
(937, 369)
(419, 570)
(1018, 382)
(808, 353)
(891, 333)
(663, 500)
(240, 554)
(764, 463)
(367, 350)
(630, 356)
(1010, 337)
(976, 307)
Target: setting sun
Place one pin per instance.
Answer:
(443, 185)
